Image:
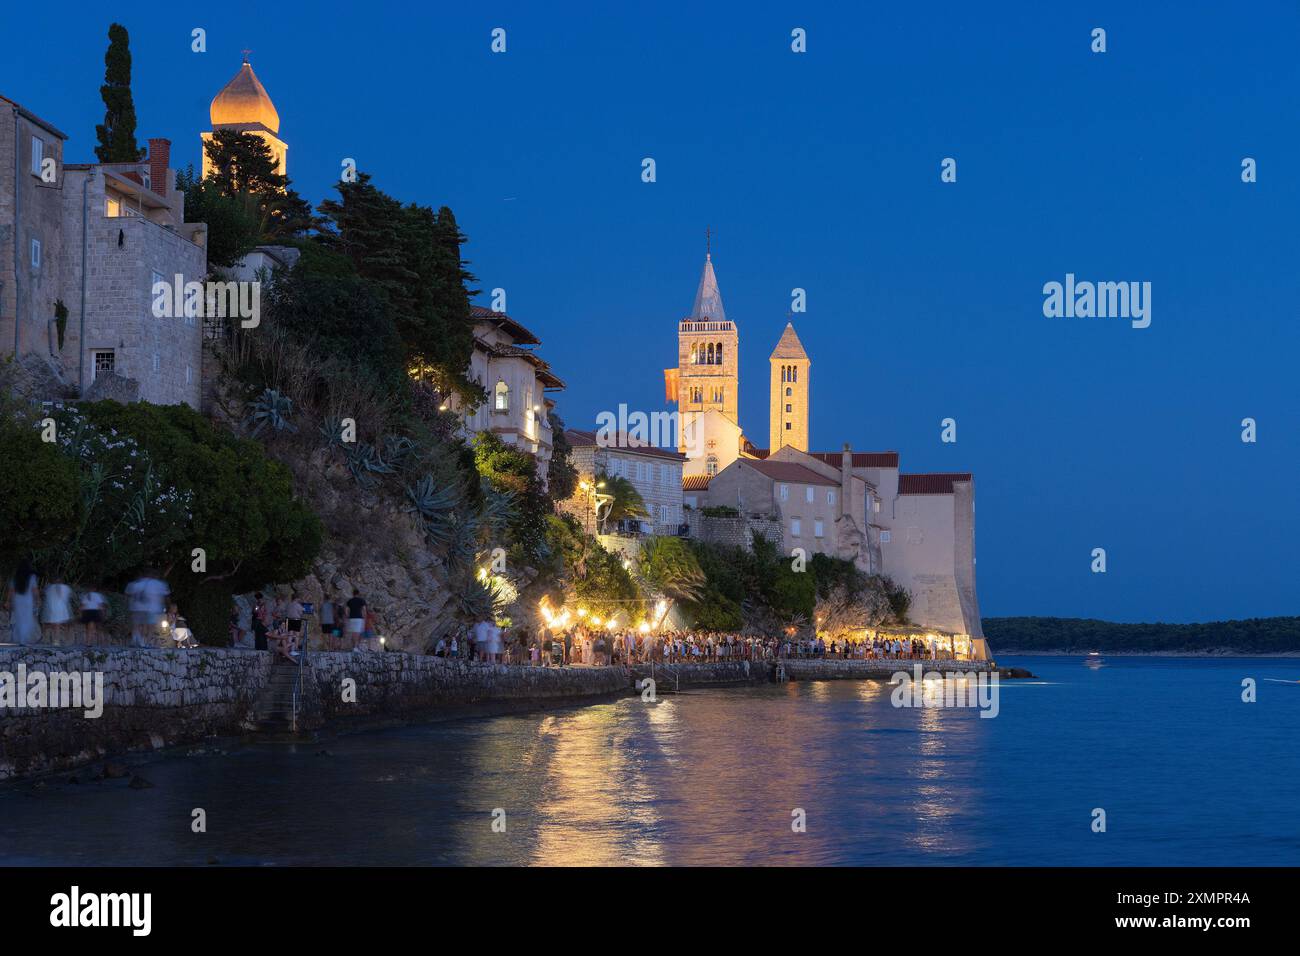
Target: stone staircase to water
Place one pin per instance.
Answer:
(273, 712)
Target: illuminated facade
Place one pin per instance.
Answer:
(244, 106)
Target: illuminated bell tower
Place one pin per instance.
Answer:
(789, 409)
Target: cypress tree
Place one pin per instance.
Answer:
(117, 133)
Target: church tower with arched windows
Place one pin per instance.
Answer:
(789, 408)
(706, 383)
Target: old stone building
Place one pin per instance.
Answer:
(516, 379)
(918, 529)
(82, 247)
(656, 474)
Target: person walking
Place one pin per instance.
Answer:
(24, 596)
(356, 618)
(56, 610)
(148, 596)
(261, 621)
(92, 614)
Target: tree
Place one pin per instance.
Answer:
(241, 165)
(669, 567)
(513, 471)
(40, 504)
(624, 500)
(234, 221)
(561, 475)
(412, 255)
(117, 133)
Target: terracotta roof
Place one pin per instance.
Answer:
(517, 332)
(695, 483)
(936, 484)
(788, 471)
(861, 459)
(579, 438)
(549, 379)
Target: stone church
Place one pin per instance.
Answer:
(918, 529)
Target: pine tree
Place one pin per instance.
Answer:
(241, 165)
(117, 133)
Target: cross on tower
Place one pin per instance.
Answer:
(246, 52)
(708, 241)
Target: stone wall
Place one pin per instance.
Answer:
(160, 698)
(733, 531)
(831, 669)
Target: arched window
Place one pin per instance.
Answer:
(711, 465)
(502, 397)
(695, 355)
(789, 391)
(794, 373)
(709, 356)
(719, 353)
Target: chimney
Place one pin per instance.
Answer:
(160, 156)
(846, 479)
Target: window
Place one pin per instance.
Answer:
(875, 505)
(189, 375)
(785, 492)
(112, 208)
(104, 360)
(711, 465)
(38, 154)
(788, 408)
(794, 527)
(830, 497)
(884, 537)
(157, 362)
(818, 530)
(789, 392)
(808, 495)
(719, 354)
(36, 253)
(501, 401)
(787, 426)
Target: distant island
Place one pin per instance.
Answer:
(1073, 635)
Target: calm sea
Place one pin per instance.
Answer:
(1186, 772)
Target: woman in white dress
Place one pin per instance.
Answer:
(24, 596)
(56, 609)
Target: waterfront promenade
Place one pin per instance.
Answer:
(149, 699)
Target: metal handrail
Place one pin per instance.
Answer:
(297, 680)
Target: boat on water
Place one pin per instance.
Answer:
(1094, 659)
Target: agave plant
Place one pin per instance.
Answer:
(498, 509)
(365, 463)
(479, 600)
(436, 507)
(331, 432)
(397, 451)
(272, 409)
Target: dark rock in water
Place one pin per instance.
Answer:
(113, 771)
(139, 783)
(1015, 673)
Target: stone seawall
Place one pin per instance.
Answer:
(831, 669)
(160, 698)
(153, 699)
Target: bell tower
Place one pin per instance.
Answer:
(789, 409)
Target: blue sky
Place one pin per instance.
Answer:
(821, 171)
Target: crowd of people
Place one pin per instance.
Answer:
(284, 624)
(45, 614)
(486, 642)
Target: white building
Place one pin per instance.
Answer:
(656, 474)
(516, 381)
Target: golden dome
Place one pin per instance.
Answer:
(244, 100)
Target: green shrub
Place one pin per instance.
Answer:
(40, 502)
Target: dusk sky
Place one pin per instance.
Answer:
(822, 171)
